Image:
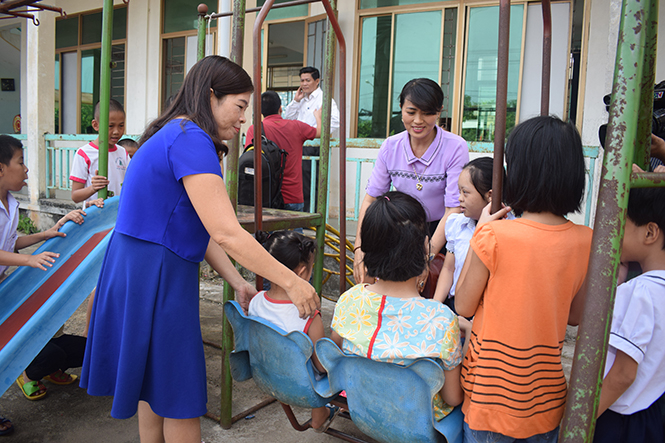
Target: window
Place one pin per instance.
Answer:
(396, 48)
(369, 4)
(288, 12)
(78, 43)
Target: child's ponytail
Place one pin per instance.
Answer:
(288, 247)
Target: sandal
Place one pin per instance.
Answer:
(9, 427)
(61, 378)
(334, 411)
(33, 390)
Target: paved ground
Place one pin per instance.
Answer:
(68, 415)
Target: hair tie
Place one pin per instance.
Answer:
(386, 197)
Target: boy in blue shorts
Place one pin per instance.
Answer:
(634, 380)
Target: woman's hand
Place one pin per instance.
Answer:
(358, 266)
(244, 294)
(303, 295)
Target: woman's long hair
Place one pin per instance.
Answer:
(193, 99)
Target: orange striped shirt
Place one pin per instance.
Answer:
(512, 374)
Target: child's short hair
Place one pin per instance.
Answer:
(545, 167)
(114, 106)
(128, 142)
(290, 248)
(393, 235)
(647, 205)
(8, 147)
(480, 170)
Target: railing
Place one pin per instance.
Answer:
(60, 149)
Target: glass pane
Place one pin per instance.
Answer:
(181, 15)
(91, 28)
(288, 12)
(368, 4)
(120, 23)
(417, 49)
(316, 43)
(90, 80)
(174, 66)
(448, 63)
(66, 32)
(478, 118)
(286, 44)
(374, 73)
(68, 92)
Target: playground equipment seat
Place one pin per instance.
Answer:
(389, 402)
(279, 362)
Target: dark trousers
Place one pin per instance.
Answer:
(62, 353)
(644, 426)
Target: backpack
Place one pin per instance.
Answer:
(273, 161)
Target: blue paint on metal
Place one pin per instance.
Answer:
(22, 283)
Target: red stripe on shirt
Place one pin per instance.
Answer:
(85, 157)
(378, 326)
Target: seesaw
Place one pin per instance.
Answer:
(36, 303)
(388, 402)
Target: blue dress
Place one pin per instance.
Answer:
(144, 340)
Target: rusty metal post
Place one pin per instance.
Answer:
(547, 58)
(632, 70)
(201, 31)
(501, 102)
(231, 176)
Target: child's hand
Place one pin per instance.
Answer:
(76, 216)
(486, 217)
(42, 260)
(317, 113)
(98, 181)
(97, 202)
(464, 326)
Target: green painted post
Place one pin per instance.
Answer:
(201, 31)
(105, 92)
(226, 401)
(328, 76)
(633, 69)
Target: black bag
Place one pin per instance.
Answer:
(273, 161)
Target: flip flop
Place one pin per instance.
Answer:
(9, 427)
(334, 411)
(61, 378)
(31, 389)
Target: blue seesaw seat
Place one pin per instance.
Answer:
(387, 402)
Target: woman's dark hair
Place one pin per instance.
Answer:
(290, 248)
(426, 94)
(545, 167)
(647, 205)
(480, 170)
(193, 100)
(8, 147)
(393, 235)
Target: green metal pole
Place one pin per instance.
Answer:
(105, 92)
(328, 76)
(201, 31)
(633, 69)
(237, 47)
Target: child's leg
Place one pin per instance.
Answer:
(49, 360)
(319, 416)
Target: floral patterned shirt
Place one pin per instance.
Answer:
(398, 330)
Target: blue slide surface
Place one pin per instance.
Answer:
(22, 344)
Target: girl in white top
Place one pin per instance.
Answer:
(475, 191)
(296, 252)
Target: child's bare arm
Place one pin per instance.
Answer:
(316, 332)
(617, 381)
(445, 278)
(451, 392)
(471, 284)
(28, 240)
(40, 261)
(81, 192)
(334, 336)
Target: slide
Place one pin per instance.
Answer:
(36, 303)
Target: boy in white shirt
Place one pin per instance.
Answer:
(634, 380)
(85, 167)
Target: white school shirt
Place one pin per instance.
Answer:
(304, 110)
(86, 162)
(638, 329)
(282, 313)
(8, 228)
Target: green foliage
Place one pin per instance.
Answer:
(26, 226)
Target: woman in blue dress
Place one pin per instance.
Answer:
(144, 345)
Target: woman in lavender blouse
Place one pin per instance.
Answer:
(423, 161)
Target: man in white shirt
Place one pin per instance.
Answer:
(309, 98)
